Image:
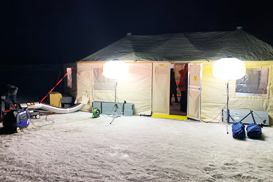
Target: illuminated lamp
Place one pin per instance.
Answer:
(228, 69)
(115, 69)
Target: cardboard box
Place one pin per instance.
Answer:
(55, 99)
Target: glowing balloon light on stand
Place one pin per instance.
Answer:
(115, 70)
(228, 69)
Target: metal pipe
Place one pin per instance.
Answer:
(227, 105)
(37, 105)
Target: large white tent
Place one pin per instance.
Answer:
(150, 57)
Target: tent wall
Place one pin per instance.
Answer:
(214, 94)
(84, 83)
(135, 88)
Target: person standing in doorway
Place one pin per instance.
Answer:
(173, 87)
(184, 88)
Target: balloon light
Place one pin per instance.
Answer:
(229, 69)
(115, 69)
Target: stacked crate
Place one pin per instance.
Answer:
(126, 109)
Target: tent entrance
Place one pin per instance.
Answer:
(165, 106)
(175, 103)
(161, 92)
(193, 96)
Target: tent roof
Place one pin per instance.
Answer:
(186, 47)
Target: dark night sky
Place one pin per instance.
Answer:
(64, 31)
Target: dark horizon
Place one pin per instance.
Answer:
(58, 32)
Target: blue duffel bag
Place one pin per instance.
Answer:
(254, 131)
(238, 130)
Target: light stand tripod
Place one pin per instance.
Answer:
(228, 69)
(115, 69)
(227, 119)
(116, 106)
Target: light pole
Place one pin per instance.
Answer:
(228, 69)
(115, 69)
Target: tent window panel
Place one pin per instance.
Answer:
(101, 82)
(253, 83)
(69, 77)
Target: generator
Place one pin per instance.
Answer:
(15, 119)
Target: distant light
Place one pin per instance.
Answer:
(115, 69)
(229, 69)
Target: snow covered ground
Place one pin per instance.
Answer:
(77, 147)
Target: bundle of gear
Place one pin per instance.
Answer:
(13, 116)
(253, 130)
